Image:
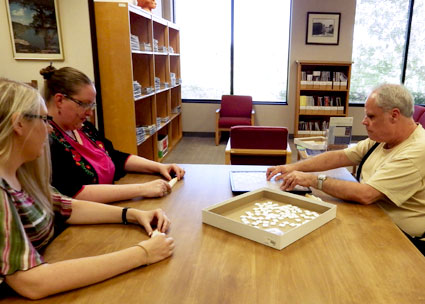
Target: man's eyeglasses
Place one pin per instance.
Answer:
(45, 118)
(84, 105)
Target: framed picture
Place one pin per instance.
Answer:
(34, 29)
(323, 28)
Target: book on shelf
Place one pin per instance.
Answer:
(316, 80)
(312, 127)
(339, 80)
(319, 105)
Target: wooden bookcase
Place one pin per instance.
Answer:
(321, 95)
(120, 65)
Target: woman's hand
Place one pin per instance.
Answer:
(158, 248)
(146, 219)
(166, 169)
(156, 188)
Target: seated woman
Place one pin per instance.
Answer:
(84, 163)
(30, 210)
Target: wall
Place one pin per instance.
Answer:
(200, 117)
(75, 29)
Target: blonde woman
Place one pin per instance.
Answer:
(29, 209)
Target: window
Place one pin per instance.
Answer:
(259, 49)
(415, 69)
(386, 48)
(205, 48)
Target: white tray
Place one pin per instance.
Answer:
(227, 216)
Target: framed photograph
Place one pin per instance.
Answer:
(34, 29)
(323, 28)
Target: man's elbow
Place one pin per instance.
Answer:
(367, 197)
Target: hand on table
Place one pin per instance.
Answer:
(282, 170)
(294, 178)
(158, 248)
(166, 169)
(156, 188)
(146, 219)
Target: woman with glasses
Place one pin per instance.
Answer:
(32, 212)
(85, 164)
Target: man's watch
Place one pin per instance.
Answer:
(320, 179)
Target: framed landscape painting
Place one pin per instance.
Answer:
(323, 28)
(34, 29)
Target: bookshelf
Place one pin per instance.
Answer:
(140, 80)
(323, 89)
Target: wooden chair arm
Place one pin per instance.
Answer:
(264, 152)
(227, 153)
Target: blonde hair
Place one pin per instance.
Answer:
(34, 176)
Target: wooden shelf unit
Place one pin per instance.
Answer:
(330, 90)
(119, 66)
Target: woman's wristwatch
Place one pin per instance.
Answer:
(320, 179)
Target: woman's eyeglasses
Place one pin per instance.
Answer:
(45, 118)
(84, 105)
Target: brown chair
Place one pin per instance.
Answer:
(235, 110)
(255, 145)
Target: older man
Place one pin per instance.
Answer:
(393, 174)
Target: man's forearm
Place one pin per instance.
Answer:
(325, 161)
(351, 191)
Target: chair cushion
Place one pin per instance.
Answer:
(258, 137)
(227, 122)
(236, 106)
(419, 110)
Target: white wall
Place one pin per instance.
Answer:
(75, 28)
(74, 19)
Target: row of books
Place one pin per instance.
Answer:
(327, 101)
(323, 80)
(313, 125)
(337, 131)
(147, 47)
(143, 131)
(138, 90)
(326, 105)
(160, 120)
(176, 110)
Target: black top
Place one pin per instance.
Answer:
(71, 171)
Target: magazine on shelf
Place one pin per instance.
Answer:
(340, 130)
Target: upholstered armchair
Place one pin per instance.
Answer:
(235, 110)
(255, 145)
(418, 113)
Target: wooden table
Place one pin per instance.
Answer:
(359, 257)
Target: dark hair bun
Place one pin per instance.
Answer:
(47, 72)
